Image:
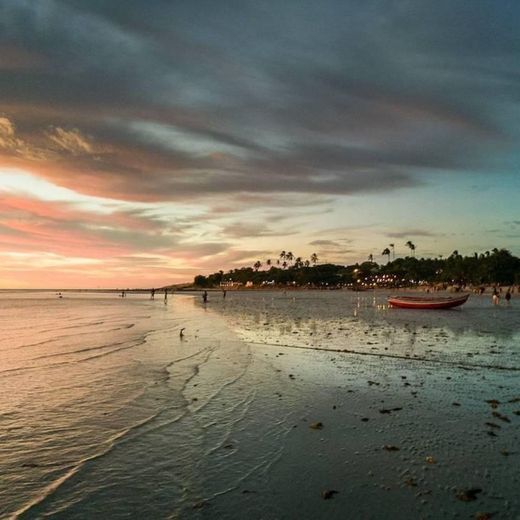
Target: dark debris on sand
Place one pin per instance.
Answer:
(468, 495)
(483, 516)
(389, 410)
(327, 494)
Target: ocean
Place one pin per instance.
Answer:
(106, 411)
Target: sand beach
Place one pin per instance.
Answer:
(272, 405)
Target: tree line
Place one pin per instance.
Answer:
(498, 266)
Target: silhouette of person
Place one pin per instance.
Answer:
(152, 294)
(205, 296)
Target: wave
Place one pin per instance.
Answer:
(117, 440)
(10, 371)
(78, 351)
(56, 339)
(48, 491)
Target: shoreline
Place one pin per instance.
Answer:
(472, 291)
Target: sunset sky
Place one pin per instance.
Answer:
(144, 142)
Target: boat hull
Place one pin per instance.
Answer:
(411, 302)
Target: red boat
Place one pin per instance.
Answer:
(417, 302)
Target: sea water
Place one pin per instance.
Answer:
(106, 410)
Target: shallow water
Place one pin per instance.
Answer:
(107, 411)
(476, 334)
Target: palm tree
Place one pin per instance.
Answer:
(411, 246)
(393, 251)
(268, 262)
(386, 252)
(289, 256)
(283, 255)
(370, 257)
(307, 263)
(284, 264)
(314, 258)
(298, 262)
(257, 265)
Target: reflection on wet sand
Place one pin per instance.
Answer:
(367, 325)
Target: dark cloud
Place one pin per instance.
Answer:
(176, 101)
(337, 253)
(411, 233)
(141, 260)
(332, 250)
(324, 243)
(243, 230)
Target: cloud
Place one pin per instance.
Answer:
(132, 170)
(64, 228)
(324, 243)
(12, 145)
(8, 140)
(15, 58)
(178, 129)
(332, 250)
(243, 230)
(71, 141)
(6, 128)
(184, 110)
(411, 233)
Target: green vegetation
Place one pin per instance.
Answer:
(498, 266)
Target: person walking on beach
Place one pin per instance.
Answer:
(508, 296)
(152, 294)
(224, 294)
(165, 296)
(496, 296)
(205, 296)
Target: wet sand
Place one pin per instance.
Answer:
(418, 412)
(310, 405)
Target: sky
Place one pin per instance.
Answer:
(143, 142)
